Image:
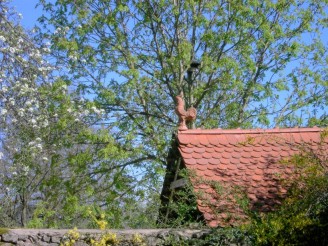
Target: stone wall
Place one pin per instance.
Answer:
(50, 237)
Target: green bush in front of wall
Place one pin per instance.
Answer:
(298, 222)
(303, 217)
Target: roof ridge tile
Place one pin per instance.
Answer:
(257, 131)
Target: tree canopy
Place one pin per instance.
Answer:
(55, 164)
(262, 64)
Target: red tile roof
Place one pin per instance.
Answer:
(223, 161)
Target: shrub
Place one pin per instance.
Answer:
(303, 217)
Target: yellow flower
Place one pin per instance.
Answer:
(102, 224)
(137, 239)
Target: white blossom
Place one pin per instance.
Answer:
(39, 146)
(72, 57)
(21, 112)
(4, 89)
(31, 143)
(45, 123)
(26, 169)
(12, 101)
(3, 111)
(57, 30)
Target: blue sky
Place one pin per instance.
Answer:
(28, 10)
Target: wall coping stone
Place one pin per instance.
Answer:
(53, 237)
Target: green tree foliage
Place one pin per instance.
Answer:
(54, 161)
(262, 63)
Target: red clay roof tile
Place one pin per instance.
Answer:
(201, 186)
(213, 140)
(252, 167)
(222, 166)
(228, 150)
(258, 172)
(203, 140)
(202, 161)
(214, 161)
(226, 155)
(201, 167)
(256, 153)
(219, 149)
(209, 174)
(210, 150)
(184, 139)
(234, 160)
(248, 148)
(236, 155)
(255, 159)
(207, 155)
(216, 155)
(213, 223)
(257, 149)
(232, 167)
(199, 149)
(196, 155)
(190, 161)
(242, 167)
(187, 150)
(225, 161)
(246, 154)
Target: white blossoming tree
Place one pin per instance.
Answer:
(52, 165)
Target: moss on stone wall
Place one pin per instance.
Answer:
(3, 231)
